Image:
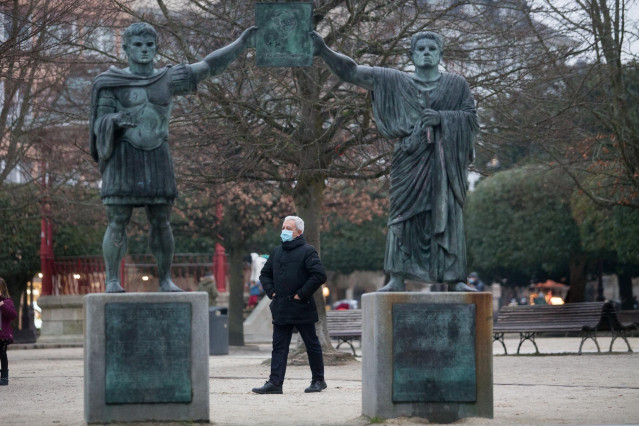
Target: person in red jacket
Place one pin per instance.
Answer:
(8, 312)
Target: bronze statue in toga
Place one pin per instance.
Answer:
(433, 117)
(129, 129)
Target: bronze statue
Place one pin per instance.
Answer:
(433, 117)
(129, 129)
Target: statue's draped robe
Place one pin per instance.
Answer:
(428, 179)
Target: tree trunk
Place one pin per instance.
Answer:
(600, 295)
(625, 290)
(236, 297)
(308, 198)
(577, 292)
(309, 195)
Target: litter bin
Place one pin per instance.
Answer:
(218, 331)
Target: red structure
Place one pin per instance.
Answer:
(83, 275)
(46, 255)
(220, 265)
(77, 275)
(46, 237)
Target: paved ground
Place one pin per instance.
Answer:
(46, 388)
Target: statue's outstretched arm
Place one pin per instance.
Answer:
(216, 62)
(341, 65)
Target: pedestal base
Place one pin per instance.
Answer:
(62, 319)
(146, 357)
(427, 355)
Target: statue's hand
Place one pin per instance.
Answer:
(125, 119)
(248, 36)
(431, 118)
(318, 43)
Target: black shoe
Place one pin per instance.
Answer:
(4, 377)
(269, 387)
(316, 386)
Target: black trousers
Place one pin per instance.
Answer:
(4, 362)
(281, 342)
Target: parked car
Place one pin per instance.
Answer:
(345, 304)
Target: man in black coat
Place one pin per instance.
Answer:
(292, 273)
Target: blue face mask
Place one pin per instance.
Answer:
(286, 235)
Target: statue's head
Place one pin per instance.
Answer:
(140, 42)
(429, 43)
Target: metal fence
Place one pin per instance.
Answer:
(139, 272)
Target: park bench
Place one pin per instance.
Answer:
(630, 316)
(612, 322)
(584, 318)
(345, 326)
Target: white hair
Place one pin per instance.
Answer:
(299, 223)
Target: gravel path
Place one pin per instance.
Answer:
(46, 388)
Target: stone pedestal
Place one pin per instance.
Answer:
(427, 355)
(62, 319)
(146, 357)
(258, 327)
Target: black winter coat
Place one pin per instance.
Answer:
(293, 267)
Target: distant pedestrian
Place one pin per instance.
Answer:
(474, 281)
(291, 275)
(207, 284)
(255, 292)
(257, 263)
(7, 314)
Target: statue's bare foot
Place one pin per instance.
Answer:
(114, 287)
(169, 286)
(395, 284)
(461, 286)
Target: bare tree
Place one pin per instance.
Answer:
(576, 111)
(43, 43)
(302, 129)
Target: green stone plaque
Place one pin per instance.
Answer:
(434, 352)
(283, 38)
(148, 353)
